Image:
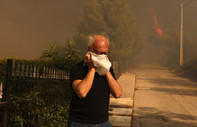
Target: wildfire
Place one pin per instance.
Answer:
(157, 28)
(159, 31)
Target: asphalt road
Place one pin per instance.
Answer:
(163, 99)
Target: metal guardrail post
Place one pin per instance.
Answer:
(6, 88)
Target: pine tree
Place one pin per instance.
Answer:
(114, 19)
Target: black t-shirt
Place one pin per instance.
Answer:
(92, 109)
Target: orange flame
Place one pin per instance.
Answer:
(159, 31)
(157, 28)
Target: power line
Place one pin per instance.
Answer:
(178, 11)
(188, 3)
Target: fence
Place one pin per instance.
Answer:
(34, 95)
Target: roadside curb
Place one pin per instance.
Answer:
(121, 109)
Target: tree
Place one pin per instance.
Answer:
(69, 51)
(114, 19)
(52, 51)
(59, 56)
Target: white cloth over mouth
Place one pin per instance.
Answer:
(101, 63)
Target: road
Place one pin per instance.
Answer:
(163, 99)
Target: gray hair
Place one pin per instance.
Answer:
(91, 39)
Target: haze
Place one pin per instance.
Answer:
(27, 25)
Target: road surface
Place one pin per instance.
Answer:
(163, 99)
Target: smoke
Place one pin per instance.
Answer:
(26, 26)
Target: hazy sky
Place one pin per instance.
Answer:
(26, 25)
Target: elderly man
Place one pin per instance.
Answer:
(92, 81)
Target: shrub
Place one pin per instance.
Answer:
(28, 106)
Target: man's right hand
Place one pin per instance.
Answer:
(82, 87)
(89, 61)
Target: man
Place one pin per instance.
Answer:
(91, 86)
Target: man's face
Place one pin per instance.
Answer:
(100, 46)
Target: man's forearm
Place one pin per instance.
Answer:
(82, 87)
(114, 86)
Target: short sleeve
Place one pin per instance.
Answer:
(77, 73)
(112, 72)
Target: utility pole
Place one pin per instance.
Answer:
(181, 37)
